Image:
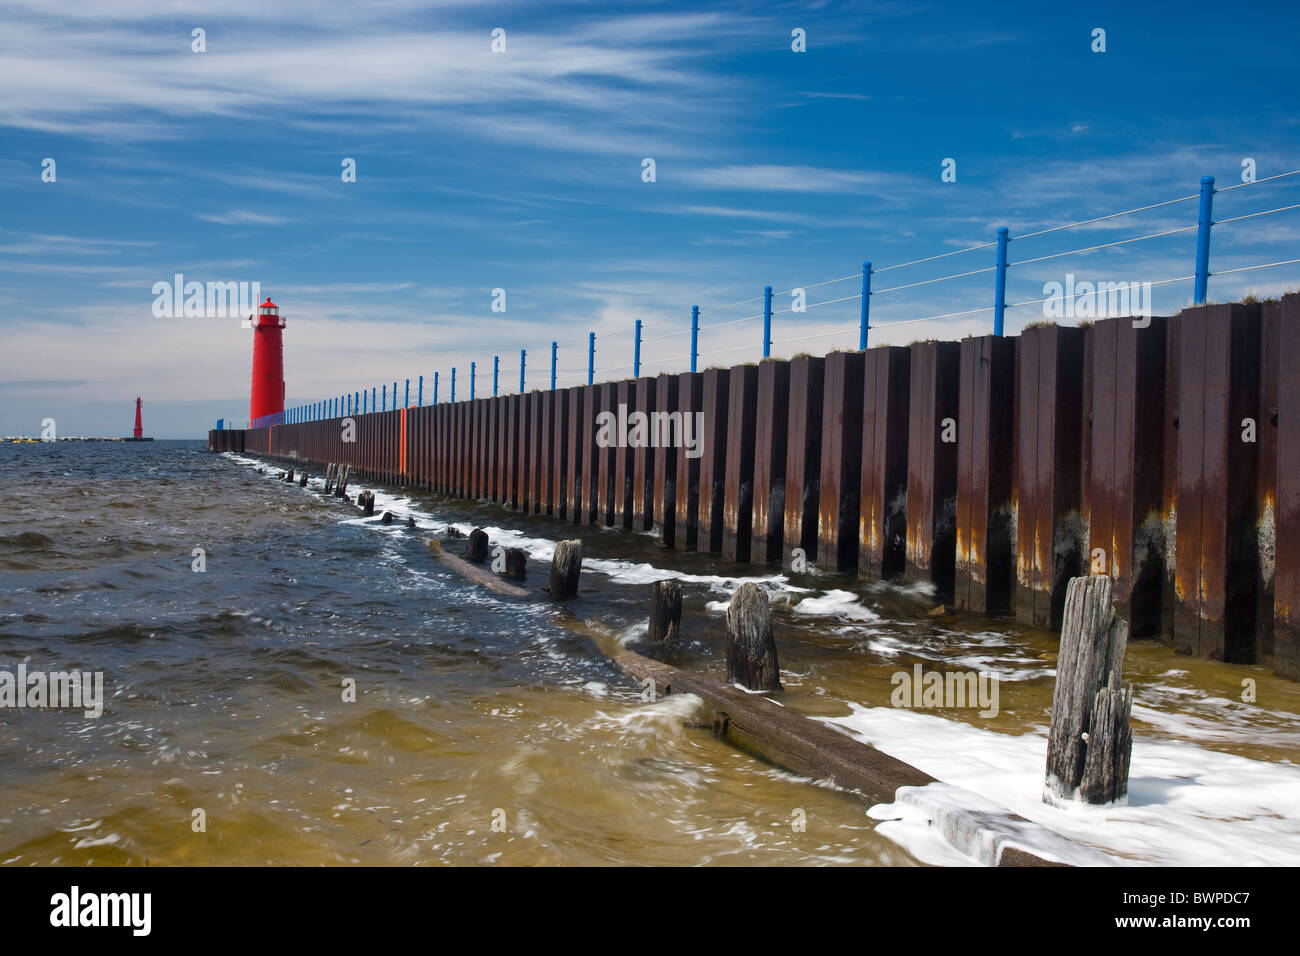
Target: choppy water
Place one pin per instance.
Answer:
(224, 689)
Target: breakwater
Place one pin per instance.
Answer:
(1162, 451)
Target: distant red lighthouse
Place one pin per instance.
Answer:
(268, 363)
(138, 434)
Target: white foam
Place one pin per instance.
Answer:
(1187, 805)
(838, 604)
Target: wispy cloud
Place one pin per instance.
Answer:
(813, 179)
(242, 217)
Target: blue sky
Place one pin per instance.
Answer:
(522, 170)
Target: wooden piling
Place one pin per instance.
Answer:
(665, 612)
(477, 549)
(566, 567)
(1090, 742)
(516, 564)
(751, 649)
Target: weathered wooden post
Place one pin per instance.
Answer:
(302, 481)
(751, 649)
(516, 564)
(565, 568)
(387, 518)
(367, 502)
(329, 479)
(289, 476)
(478, 545)
(665, 611)
(1090, 742)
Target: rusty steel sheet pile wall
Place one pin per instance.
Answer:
(985, 542)
(1161, 451)
(932, 466)
(772, 439)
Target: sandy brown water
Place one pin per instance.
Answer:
(483, 731)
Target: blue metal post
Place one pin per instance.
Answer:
(384, 407)
(591, 357)
(695, 335)
(394, 396)
(473, 371)
(419, 394)
(1204, 222)
(636, 352)
(767, 321)
(356, 405)
(496, 373)
(523, 360)
(554, 354)
(374, 397)
(453, 383)
(435, 388)
(866, 307)
(407, 401)
(1000, 284)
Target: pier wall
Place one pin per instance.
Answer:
(1164, 452)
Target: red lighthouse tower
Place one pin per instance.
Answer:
(268, 363)
(139, 423)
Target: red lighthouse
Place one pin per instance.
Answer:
(268, 363)
(139, 423)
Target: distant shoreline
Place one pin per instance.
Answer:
(27, 440)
